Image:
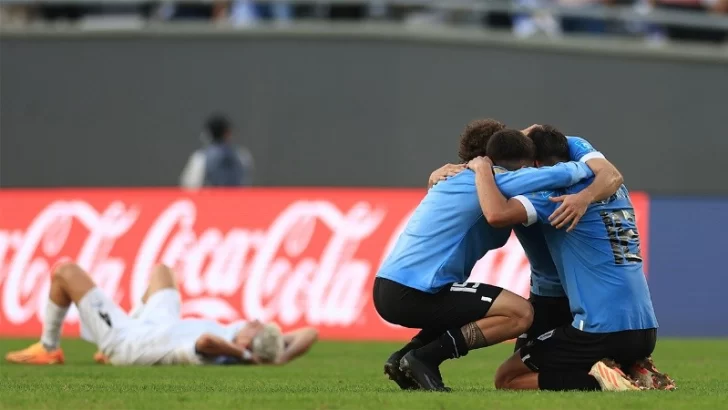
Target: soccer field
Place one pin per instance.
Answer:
(341, 376)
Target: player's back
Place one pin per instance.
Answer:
(172, 342)
(600, 266)
(444, 238)
(544, 276)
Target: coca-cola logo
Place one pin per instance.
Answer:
(312, 263)
(25, 276)
(328, 289)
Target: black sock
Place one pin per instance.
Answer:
(450, 345)
(562, 381)
(422, 338)
(412, 345)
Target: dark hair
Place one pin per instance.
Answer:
(217, 127)
(511, 149)
(474, 139)
(551, 145)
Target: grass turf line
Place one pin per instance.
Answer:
(337, 375)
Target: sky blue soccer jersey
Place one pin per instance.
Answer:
(447, 233)
(544, 277)
(599, 262)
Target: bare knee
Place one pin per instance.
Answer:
(503, 378)
(68, 272)
(510, 372)
(518, 309)
(163, 276)
(523, 315)
(69, 283)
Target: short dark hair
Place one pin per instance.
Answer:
(218, 126)
(475, 137)
(551, 145)
(511, 149)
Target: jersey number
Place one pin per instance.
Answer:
(470, 287)
(623, 236)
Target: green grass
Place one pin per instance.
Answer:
(341, 376)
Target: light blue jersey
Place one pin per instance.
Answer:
(544, 277)
(447, 233)
(599, 262)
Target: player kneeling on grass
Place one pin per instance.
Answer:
(600, 267)
(548, 299)
(156, 334)
(421, 283)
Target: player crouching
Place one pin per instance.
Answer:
(155, 334)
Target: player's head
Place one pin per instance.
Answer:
(264, 340)
(218, 128)
(511, 150)
(475, 137)
(551, 145)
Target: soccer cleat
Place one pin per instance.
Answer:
(36, 354)
(426, 375)
(646, 374)
(391, 369)
(610, 377)
(100, 358)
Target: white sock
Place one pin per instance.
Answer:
(52, 325)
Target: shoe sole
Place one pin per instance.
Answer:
(607, 380)
(50, 362)
(663, 382)
(405, 367)
(392, 371)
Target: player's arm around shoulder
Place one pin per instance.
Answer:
(444, 172)
(607, 180)
(498, 211)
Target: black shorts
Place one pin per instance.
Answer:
(567, 348)
(548, 313)
(454, 306)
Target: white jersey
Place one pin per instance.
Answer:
(147, 343)
(157, 336)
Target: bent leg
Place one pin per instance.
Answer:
(508, 317)
(483, 315)
(69, 284)
(558, 360)
(548, 313)
(404, 306)
(162, 277)
(513, 374)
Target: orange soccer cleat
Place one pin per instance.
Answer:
(610, 377)
(36, 354)
(646, 374)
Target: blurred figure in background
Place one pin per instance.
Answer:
(685, 33)
(219, 163)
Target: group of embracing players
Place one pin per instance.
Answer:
(589, 323)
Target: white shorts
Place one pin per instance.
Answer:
(163, 306)
(106, 324)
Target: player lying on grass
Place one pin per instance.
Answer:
(157, 334)
(549, 302)
(600, 266)
(421, 283)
